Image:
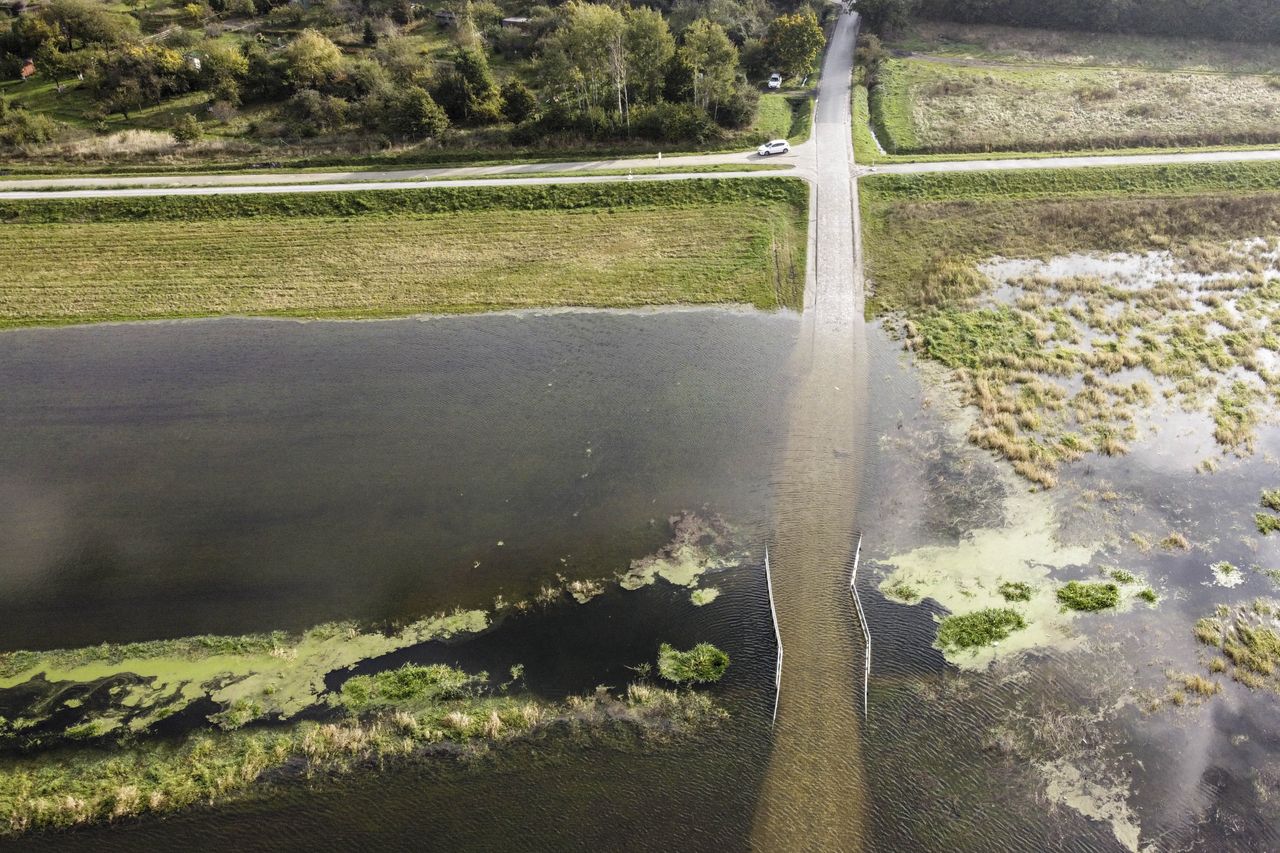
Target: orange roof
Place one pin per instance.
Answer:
(28, 69)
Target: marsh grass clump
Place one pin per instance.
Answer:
(981, 628)
(1122, 577)
(1016, 591)
(1266, 523)
(1270, 499)
(1234, 417)
(1247, 638)
(1175, 541)
(1148, 595)
(702, 664)
(904, 592)
(1089, 597)
(408, 685)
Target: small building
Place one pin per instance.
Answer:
(516, 23)
(447, 18)
(28, 69)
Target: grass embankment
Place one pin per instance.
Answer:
(387, 253)
(1060, 364)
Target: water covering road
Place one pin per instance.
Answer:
(814, 792)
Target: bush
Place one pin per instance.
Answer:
(416, 115)
(186, 129)
(21, 127)
(309, 113)
(702, 664)
(739, 109)
(667, 122)
(518, 103)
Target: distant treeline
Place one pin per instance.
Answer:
(1230, 20)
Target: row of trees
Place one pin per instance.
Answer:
(1231, 20)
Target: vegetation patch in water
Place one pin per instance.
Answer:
(699, 544)
(904, 592)
(1246, 637)
(982, 628)
(1015, 591)
(1226, 574)
(1089, 597)
(703, 597)
(411, 711)
(1122, 576)
(1148, 595)
(702, 664)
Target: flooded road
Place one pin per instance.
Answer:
(815, 788)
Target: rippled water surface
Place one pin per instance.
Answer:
(228, 476)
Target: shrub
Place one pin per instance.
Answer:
(982, 628)
(186, 129)
(1089, 597)
(702, 664)
(518, 102)
(667, 122)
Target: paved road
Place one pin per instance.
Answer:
(1072, 162)
(801, 157)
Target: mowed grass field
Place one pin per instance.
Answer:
(326, 255)
(956, 89)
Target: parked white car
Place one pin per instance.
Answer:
(776, 146)
(775, 81)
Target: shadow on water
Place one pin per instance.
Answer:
(231, 476)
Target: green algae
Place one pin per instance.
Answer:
(1016, 591)
(966, 577)
(703, 597)
(247, 677)
(699, 545)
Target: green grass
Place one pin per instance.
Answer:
(1016, 591)
(784, 117)
(443, 250)
(1122, 576)
(1089, 597)
(974, 338)
(1270, 499)
(978, 629)
(1148, 595)
(702, 664)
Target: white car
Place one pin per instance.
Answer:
(775, 81)
(776, 146)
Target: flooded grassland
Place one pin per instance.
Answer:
(269, 553)
(1074, 495)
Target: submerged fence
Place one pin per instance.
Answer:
(862, 618)
(777, 676)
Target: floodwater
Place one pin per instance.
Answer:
(160, 480)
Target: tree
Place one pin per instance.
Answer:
(416, 115)
(712, 59)
(886, 16)
(186, 129)
(518, 102)
(224, 67)
(587, 56)
(794, 41)
(370, 37)
(650, 47)
(311, 60)
(469, 94)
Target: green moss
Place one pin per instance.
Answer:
(1016, 591)
(1089, 597)
(978, 629)
(702, 664)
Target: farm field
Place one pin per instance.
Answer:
(954, 90)
(437, 251)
